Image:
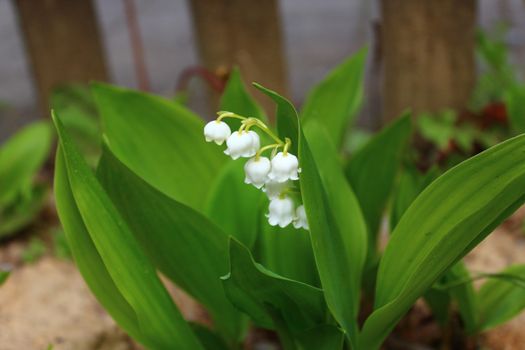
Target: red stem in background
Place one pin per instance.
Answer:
(137, 47)
(216, 82)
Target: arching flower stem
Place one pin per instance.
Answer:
(248, 122)
(265, 148)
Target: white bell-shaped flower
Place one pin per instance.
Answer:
(300, 220)
(257, 170)
(281, 212)
(217, 131)
(273, 189)
(242, 144)
(284, 167)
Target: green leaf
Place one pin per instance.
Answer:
(501, 299)
(79, 115)
(464, 295)
(439, 302)
(343, 203)
(447, 220)
(514, 98)
(87, 258)
(161, 141)
(337, 229)
(272, 301)
(235, 206)
(237, 99)
(338, 245)
(286, 116)
(456, 285)
(372, 172)
(110, 258)
(21, 157)
(438, 128)
(23, 210)
(335, 101)
(3, 276)
(181, 242)
(288, 252)
(411, 183)
(208, 339)
(326, 337)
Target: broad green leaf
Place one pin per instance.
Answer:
(87, 207)
(182, 243)
(161, 141)
(335, 101)
(272, 301)
(235, 206)
(286, 116)
(237, 99)
(286, 263)
(288, 252)
(343, 203)
(21, 157)
(23, 210)
(501, 299)
(337, 229)
(372, 172)
(411, 183)
(87, 258)
(452, 214)
(338, 253)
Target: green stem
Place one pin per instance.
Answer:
(224, 114)
(262, 149)
(247, 123)
(268, 131)
(287, 145)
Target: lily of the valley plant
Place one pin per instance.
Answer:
(162, 200)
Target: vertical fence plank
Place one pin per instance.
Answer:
(63, 43)
(428, 52)
(246, 33)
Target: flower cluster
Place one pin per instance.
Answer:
(274, 175)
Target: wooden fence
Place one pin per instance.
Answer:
(420, 54)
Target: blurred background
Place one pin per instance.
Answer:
(288, 45)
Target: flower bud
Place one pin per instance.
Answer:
(242, 144)
(281, 212)
(257, 170)
(217, 131)
(284, 167)
(300, 220)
